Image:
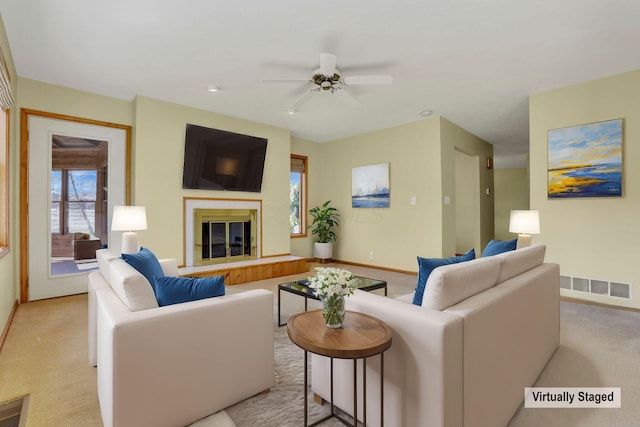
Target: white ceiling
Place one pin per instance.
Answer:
(472, 62)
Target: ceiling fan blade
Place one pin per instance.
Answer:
(304, 98)
(368, 80)
(345, 97)
(328, 64)
(283, 80)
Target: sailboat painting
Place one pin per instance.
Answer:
(585, 161)
(370, 186)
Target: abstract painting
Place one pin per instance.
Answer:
(585, 161)
(370, 186)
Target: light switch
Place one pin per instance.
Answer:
(447, 200)
(414, 200)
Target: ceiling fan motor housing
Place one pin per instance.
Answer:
(325, 82)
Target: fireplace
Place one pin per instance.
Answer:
(221, 231)
(224, 235)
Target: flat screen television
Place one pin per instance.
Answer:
(219, 160)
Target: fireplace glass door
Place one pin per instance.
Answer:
(226, 241)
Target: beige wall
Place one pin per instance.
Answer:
(511, 192)
(157, 170)
(455, 138)
(590, 237)
(396, 235)
(467, 203)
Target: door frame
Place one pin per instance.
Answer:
(25, 113)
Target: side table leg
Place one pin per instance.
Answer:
(355, 392)
(364, 390)
(304, 395)
(382, 389)
(279, 317)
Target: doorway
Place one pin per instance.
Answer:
(467, 203)
(78, 169)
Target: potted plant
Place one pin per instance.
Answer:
(325, 217)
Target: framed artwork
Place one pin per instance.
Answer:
(370, 186)
(585, 161)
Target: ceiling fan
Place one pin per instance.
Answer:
(328, 78)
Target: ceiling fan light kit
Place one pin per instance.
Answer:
(327, 78)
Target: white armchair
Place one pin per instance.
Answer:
(172, 365)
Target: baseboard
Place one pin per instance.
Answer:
(9, 320)
(377, 267)
(599, 304)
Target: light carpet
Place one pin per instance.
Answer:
(219, 419)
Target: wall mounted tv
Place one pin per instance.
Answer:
(220, 160)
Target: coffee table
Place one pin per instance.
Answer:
(360, 337)
(301, 287)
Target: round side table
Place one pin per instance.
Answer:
(361, 336)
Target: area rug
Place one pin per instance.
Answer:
(219, 419)
(283, 406)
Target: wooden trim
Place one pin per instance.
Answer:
(377, 267)
(24, 181)
(599, 304)
(184, 219)
(304, 208)
(5, 332)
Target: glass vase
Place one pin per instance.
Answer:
(333, 311)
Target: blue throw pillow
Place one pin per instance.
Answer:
(176, 290)
(496, 247)
(427, 265)
(146, 263)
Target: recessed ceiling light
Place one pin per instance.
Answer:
(426, 113)
(291, 111)
(213, 88)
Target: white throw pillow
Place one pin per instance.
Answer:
(133, 289)
(450, 284)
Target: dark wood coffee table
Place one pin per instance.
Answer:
(361, 336)
(301, 287)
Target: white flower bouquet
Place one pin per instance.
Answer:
(330, 281)
(332, 285)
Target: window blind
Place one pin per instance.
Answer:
(6, 97)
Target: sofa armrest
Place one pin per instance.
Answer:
(169, 266)
(175, 364)
(422, 368)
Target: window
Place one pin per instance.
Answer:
(298, 196)
(73, 201)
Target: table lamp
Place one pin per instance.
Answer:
(525, 223)
(129, 219)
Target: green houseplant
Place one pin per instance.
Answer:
(325, 218)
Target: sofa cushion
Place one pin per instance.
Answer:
(132, 288)
(146, 263)
(427, 265)
(104, 256)
(450, 284)
(176, 290)
(496, 247)
(519, 261)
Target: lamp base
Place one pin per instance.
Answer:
(129, 243)
(524, 240)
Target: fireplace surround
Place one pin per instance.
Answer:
(219, 231)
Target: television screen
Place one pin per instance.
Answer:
(220, 160)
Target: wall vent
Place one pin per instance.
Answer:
(597, 287)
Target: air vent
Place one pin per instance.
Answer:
(596, 287)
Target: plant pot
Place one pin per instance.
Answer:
(323, 250)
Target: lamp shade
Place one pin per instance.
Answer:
(524, 222)
(129, 218)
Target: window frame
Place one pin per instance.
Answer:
(303, 195)
(5, 198)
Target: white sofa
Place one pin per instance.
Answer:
(172, 365)
(493, 324)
